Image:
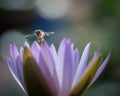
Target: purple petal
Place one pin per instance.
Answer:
(59, 65)
(26, 44)
(16, 63)
(54, 55)
(96, 53)
(76, 60)
(14, 54)
(101, 68)
(35, 48)
(47, 64)
(21, 53)
(82, 64)
(14, 73)
(47, 57)
(66, 58)
(19, 67)
(12, 67)
(13, 51)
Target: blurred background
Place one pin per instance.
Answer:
(96, 21)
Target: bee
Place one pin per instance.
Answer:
(39, 34)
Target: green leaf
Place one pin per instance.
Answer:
(35, 82)
(86, 78)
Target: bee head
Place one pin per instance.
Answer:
(37, 32)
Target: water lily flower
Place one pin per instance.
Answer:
(40, 70)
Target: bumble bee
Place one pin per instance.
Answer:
(39, 35)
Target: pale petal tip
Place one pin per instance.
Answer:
(52, 45)
(35, 43)
(26, 44)
(76, 50)
(43, 44)
(89, 43)
(110, 51)
(65, 39)
(11, 45)
(109, 54)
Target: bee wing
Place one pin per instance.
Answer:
(29, 35)
(49, 33)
